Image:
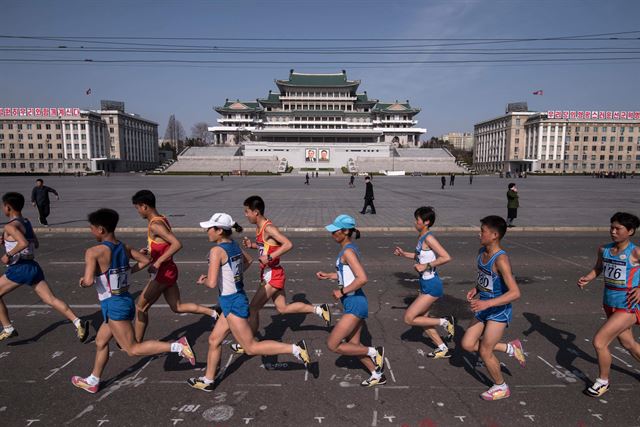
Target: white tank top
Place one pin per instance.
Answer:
(425, 256)
(27, 253)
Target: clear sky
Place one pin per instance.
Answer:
(452, 96)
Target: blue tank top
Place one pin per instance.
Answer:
(27, 253)
(489, 283)
(116, 279)
(230, 273)
(345, 274)
(620, 275)
(425, 256)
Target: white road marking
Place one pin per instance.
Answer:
(388, 366)
(56, 370)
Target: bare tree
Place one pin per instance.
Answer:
(175, 133)
(200, 131)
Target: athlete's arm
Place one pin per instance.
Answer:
(90, 263)
(16, 234)
(217, 257)
(142, 260)
(159, 228)
(398, 251)
(351, 259)
(442, 256)
(246, 261)
(272, 232)
(595, 272)
(633, 296)
(247, 243)
(503, 267)
(322, 275)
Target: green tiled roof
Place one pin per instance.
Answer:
(395, 107)
(272, 98)
(362, 98)
(237, 106)
(318, 80)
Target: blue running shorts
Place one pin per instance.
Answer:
(118, 307)
(236, 304)
(356, 304)
(432, 287)
(501, 313)
(25, 273)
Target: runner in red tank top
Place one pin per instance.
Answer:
(162, 244)
(272, 244)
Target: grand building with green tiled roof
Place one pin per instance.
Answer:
(317, 118)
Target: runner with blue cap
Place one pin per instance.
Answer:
(345, 336)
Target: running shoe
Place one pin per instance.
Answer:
(374, 380)
(84, 385)
(518, 352)
(451, 328)
(326, 314)
(303, 355)
(236, 348)
(598, 389)
(496, 393)
(82, 331)
(378, 359)
(199, 384)
(439, 354)
(4, 335)
(187, 351)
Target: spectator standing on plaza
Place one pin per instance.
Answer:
(368, 197)
(512, 204)
(351, 181)
(452, 179)
(443, 181)
(470, 179)
(306, 179)
(40, 199)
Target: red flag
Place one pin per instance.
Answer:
(88, 91)
(538, 92)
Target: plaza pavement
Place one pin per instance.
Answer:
(546, 202)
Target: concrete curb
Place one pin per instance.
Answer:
(445, 229)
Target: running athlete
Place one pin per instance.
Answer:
(162, 244)
(227, 263)
(107, 269)
(271, 245)
(496, 289)
(428, 255)
(20, 243)
(345, 336)
(620, 263)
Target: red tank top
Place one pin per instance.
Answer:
(156, 249)
(264, 248)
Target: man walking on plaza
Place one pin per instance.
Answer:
(368, 197)
(40, 199)
(443, 181)
(512, 204)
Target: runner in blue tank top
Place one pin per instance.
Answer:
(107, 270)
(428, 255)
(351, 278)
(227, 263)
(619, 262)
(20, 243)
(496, 289)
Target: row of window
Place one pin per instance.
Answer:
(592, 166)
(21, 126)
(30, 146)
(13, 165)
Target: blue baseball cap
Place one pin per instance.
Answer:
(341, 222)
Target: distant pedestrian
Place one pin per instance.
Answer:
(40, 199)
(443, 181)
(470, 179)
(452, 179)
(512, 204)
(368, 197)
(306, 179)
(221, 177)
(351, 181)
(317, 174)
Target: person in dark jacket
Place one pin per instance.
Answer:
(443, 181)
(40, 199)
(368, 197)
(512, 204)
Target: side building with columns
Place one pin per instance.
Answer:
(73, 140)
(559, 142)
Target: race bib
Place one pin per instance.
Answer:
(103, 291)
(484, 282)
(614, 271)
(118, 278)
